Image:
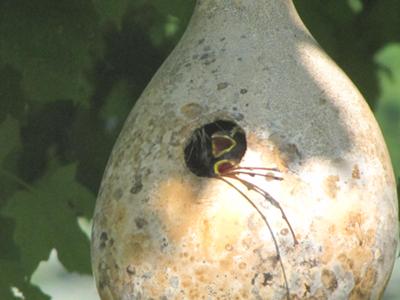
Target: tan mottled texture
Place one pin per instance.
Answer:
(160, 232)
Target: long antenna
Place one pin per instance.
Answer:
(267, 196)
(257, 168)
(237, 171)
(269, 228)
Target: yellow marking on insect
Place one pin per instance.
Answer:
(219, 168)
(228, 143)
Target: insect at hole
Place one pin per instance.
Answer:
(220, 144)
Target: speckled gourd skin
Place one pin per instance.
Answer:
(160, 232)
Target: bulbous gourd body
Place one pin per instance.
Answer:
(162, 232)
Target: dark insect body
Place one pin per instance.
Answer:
(215, 150)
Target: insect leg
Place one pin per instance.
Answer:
(238, 171)
(258, 168)
(268, 197)
(269, 228)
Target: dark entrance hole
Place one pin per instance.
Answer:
(214, 142)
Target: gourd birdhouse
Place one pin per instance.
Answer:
(250, 168)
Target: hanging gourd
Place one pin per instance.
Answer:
(250, 168)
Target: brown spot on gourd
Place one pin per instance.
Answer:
(103, 240)
(137, 248)
(204, 56)
(361, 255)
(369, 278)
(328, 251)
(103, 236)
(319, 294)
(242, 265)
(364, 285)
(267, 278)
(130, 269)
(191, 110)
(118, 216)
(356, 172)
(354, 223)
(347, 263)
(330, 186)
(245, 294)
(140, 222)
(203, 275)
(228, 247)
(322, 101)
(225, 264)
(369, 238)
(329, 280)
(137, 185)
(359, 241)
(222, 85)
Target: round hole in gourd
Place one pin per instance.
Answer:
(214, 142)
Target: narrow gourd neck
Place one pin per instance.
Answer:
(244, 9)
(248, 16)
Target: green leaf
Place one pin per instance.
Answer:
(117, 106)
(8, 249)
(388, 108)
(111, 11)
(9, 144)
(13, 275)
(355, 5)
(12, 98)
(179, 8)
(46, 218)
(51, 43)
(174, 18)
(10, 276)
(9, 137)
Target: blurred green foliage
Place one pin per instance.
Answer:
(70, 71)
(388, 107)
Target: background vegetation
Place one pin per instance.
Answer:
(71, 70)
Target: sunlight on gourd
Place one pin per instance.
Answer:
(176, 216)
